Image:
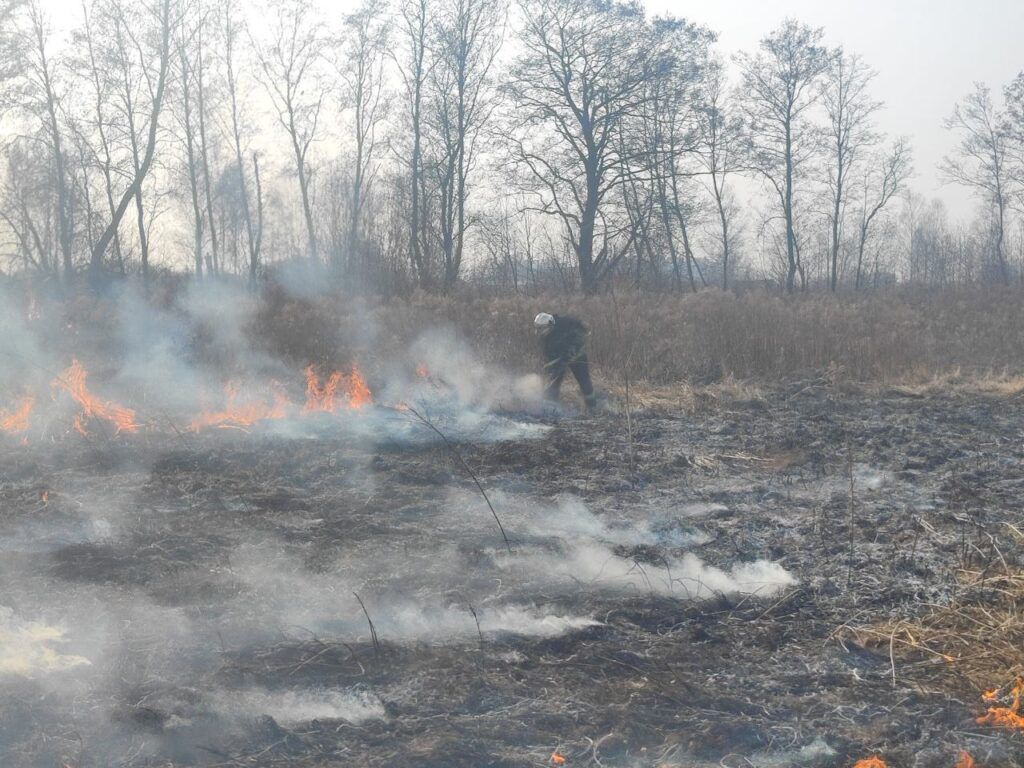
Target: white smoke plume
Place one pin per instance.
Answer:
(30, 648)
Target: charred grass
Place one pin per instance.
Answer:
(906, 607)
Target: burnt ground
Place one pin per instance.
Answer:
(209, 580)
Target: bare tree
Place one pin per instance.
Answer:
(721, 153)
(186, 38)
(28, 204)
(232, 29)
(362, 69)
(1014, 130)
(414, 67)
(11, 42)
(291, 62)
(468, 38)
(203, 33)
(981, 161)
(100, 85)
(672, 140)
(850, 112)
(44, 104)
(780, 84)
(580, 76)
(154, 54)
(884, 179)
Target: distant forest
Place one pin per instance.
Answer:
(527, 147)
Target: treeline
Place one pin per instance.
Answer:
(549, 144)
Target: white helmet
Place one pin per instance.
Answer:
(543, 320)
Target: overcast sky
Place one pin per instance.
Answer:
(928, 53)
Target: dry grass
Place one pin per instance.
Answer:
(686, 397)
(924, 339)
(975, 642)
(996, 384)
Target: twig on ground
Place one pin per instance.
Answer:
(373, 630)
(465, 465)
(476, 618)
(849, 466)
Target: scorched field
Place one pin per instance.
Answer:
(341, 573)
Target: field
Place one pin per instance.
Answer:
(804, 574)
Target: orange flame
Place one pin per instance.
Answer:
(72, 381)
(965, 761)
(1005, 717)
(240, 415)
(322, 397)
(359, 395)
(422, 371)
(16, 421)
(870, 762)
(557, 759)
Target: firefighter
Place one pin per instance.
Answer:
(563, 341)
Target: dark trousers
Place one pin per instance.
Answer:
(580, 367)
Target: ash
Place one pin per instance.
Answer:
(700, 591)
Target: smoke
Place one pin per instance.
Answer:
(567, 547)
(460, 582)
(451, 366)
(29, 647)
(294, 707)
(122, 604)
(170, 361)
(22, 361)
(595, 566)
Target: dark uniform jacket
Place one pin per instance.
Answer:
(564, 347)
(565, 342)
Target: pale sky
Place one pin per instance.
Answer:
(928, 54)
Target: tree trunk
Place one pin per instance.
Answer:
(836, 213)
(213, 258)
(154, 122)
(307, 210)
(788, 211)
(254, 251)
(1000, 236)
(236, 134)
(724, 221)
(193, 181)
(588, 220)
(64, 224)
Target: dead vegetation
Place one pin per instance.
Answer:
(895, 336)
(905, 612)
(973, 642)
(889, 488)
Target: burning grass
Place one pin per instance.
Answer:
(870, 762)
(16, 420)
(669, 589)
(73, 382)
(242, 407)
(584, 642)
(337, 392)
(241, 411)
(968, 644)
(922, 338)
(1004, 709)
